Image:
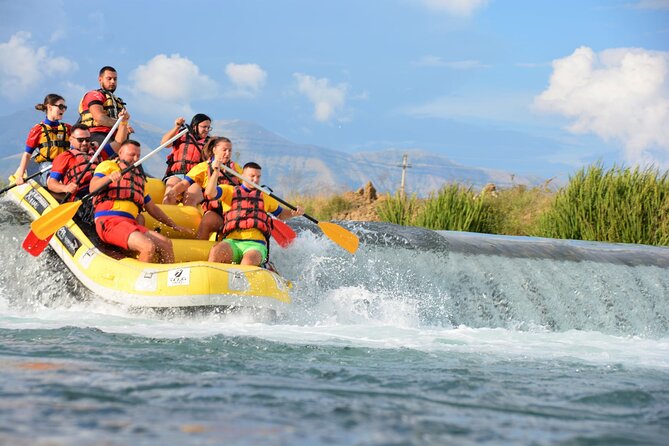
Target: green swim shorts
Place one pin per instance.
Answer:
(240, 247)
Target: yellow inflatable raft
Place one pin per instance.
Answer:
(190, 282)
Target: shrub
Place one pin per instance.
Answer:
(618, 205)
(397, 209)
(455, 208)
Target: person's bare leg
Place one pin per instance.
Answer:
(211, 222)
(169, 184)
(193, 195)
(221, 252)
(139, 242)
(163, 245)
(252, 257)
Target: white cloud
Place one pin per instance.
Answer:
(248, 78)
(327, 99)
(25, 66)
(456, 7)
(619, 94)
(173, 79)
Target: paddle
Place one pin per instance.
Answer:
(35, 245)
(49, 223)
(343, 237)
(12, 186)
(281, 232)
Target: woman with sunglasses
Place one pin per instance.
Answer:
(49, 137)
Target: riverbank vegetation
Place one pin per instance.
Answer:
(623, 205)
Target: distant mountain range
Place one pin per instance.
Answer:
(291, 167)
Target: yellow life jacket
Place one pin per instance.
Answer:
(112, 107)
(52, 142)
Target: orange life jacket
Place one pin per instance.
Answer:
(79, 166)
(130, 188)
(223, 178)
(185, 155)
(52, 142)
(247, 211)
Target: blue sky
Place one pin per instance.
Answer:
(532, 87)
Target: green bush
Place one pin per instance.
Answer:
(455, 208)
(397, 209)
(619, 205)
(517, 210)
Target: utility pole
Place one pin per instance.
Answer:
(405, 165)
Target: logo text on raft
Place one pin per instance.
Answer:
(178, 276)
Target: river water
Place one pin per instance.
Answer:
(420, 338)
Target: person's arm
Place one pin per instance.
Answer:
(210, 191)
(122, 131)
(102, 176)
(287, 213)
(55, 181)
(100, 116)
(21, 170)
(178, 189)
(177, 126)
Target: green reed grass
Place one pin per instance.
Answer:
(455, 208)
(397, 209)
(616, 205)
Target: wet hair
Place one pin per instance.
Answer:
(79, 126)
(197, 119)
(49, 99)
(252, 165)
(106, 68)
(131, 142)
(208, 150)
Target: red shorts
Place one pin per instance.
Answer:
(116, 230)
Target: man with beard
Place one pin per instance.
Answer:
(99, 109)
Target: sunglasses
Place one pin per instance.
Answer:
(88, 139)
(61, 107)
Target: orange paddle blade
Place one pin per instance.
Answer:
(53, 220)
(343, 237)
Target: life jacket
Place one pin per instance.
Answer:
(130, 188)
(52, 142)
(223, 178)
(79, 166)
(247, 211)
(112, 107)
(186, 155)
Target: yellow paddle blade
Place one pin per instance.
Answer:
(53, 220)
(344, 238)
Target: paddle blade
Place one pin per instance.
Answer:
(282, 233)
(34, 245)
(58, 217)
(343, 237)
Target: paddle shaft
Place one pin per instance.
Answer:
(267, 191)
(94, 157)
(39, 172)
(136, 164)
(50, 221)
